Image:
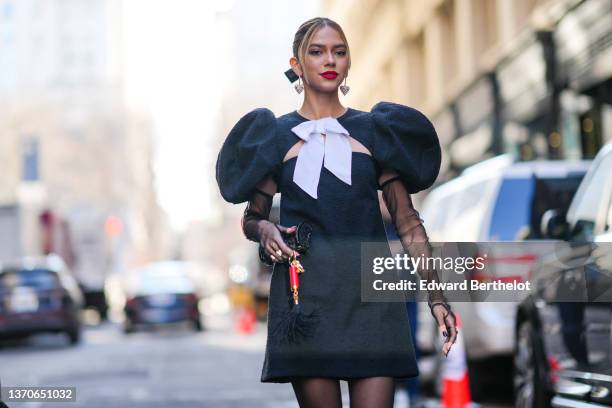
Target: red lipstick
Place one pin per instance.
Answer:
(329, 74)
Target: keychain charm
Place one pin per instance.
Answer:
(295, 324)
(295, 268)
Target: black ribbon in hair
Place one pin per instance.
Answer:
(291, 75)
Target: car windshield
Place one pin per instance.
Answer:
(521, 202)
(34, 278)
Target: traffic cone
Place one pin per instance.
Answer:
(455, 380)
(246, 321)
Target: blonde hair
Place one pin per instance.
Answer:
(306, 31)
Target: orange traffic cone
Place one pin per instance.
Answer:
(456, 383)
(246, 321)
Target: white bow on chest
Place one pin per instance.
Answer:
(334, 152)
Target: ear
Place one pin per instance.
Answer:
(295, 65)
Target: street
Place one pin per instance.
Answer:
(161, 368)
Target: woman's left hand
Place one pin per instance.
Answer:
(447, 326)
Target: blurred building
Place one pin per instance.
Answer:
(531, 77)
(259, 38)
(72, 154)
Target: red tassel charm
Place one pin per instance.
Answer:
(295, 324)
(294, 279)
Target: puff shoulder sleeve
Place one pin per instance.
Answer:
(406, 141)
(248, 154)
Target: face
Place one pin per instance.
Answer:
(326, 62)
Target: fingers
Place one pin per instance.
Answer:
(452, 329)
(270, 252)
(287, 230)
(446, 327)
(442, 333)
(273, 252)
(279, 251)
(446, 348)
(449, 332)
(286, 252)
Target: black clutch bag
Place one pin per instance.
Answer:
(298, 241)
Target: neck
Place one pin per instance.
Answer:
(321, 105)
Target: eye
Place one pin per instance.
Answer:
(342, 53)
(314, 52)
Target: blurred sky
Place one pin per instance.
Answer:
(180, 59)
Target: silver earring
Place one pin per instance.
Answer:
(345, 88)
(299, 87)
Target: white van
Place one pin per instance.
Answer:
(496, 200)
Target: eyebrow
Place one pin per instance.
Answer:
(323, 45)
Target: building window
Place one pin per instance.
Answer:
(417, 72)
(30, 159)
(449, 46)
(485, 25)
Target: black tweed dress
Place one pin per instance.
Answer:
(354, 338)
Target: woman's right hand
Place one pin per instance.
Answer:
(447, 325)
(272, 241)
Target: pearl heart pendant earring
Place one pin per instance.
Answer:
(299, 87)
(345, 88)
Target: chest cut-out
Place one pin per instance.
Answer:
(356, 146)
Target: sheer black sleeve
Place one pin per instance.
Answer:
(409, 226)
(258, 208)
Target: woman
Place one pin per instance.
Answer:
(328, 162)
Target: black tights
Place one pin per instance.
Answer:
(363, 392)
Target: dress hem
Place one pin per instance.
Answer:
(341, 370)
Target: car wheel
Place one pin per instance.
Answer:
(103, 312)
(530, 384)
(128, 327)
(477, 376)
(74, 335)
(438, 381)
(197, 325)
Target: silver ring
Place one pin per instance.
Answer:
(279, 252)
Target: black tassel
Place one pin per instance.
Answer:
(295, 324)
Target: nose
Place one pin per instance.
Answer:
(331, 59)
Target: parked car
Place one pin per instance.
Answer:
(162, 293)
(563, 353)
(39, 295)
(496, 200)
